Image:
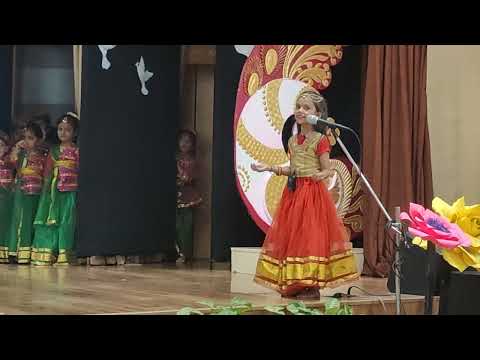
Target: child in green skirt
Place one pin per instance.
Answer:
(55, 221)
(29, 156)
(6, 180)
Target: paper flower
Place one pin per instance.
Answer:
(468, 219)
(429, 226)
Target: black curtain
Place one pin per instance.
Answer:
(6, 69)
(231, 224)
(344, 96)
(127, 197)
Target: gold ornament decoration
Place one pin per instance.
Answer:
(253, 83)
(273, 193)
(258, 151)
(271, 61)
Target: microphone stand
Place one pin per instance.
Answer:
(393, 225)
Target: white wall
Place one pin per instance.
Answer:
(453, 88)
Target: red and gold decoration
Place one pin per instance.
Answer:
(272, 79)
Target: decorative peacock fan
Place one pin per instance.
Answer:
(272, 78)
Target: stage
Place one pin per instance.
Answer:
(161, 290)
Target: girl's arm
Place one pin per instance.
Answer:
(323, 153)
(277, 170)
(15, 150)
(48, 167)
(326, 168)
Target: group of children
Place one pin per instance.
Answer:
(39, 170)
(38, 190)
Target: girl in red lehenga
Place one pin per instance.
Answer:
(306, 248)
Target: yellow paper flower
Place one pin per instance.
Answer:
(468, 219)
(461, 258)
(420, 242)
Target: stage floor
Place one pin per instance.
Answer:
(157, 290)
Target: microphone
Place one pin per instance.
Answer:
(317, 121)
(321, 125)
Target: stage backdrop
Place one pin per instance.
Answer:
(231, 224)
(6, 68)
(127, 200)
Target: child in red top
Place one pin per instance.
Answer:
(307, 247)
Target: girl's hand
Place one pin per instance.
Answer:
(260, 167)
(16, 149)
(19, 145)
(320, 176)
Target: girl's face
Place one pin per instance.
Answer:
(303, 108)
(30, 140)
(65, 132)
(3, 148)
(185, 143)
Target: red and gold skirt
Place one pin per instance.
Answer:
(307, 245)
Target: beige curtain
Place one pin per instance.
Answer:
(77, 76)
(453, 88)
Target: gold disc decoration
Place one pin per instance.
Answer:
(253, 83)
(271, 61)
(340, 187)
(275, 186)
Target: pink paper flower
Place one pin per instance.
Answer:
(429, 226)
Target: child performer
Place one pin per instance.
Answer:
(30, 157)
(6, 181)
(306, 248)
(55, 221)
(188, 197)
